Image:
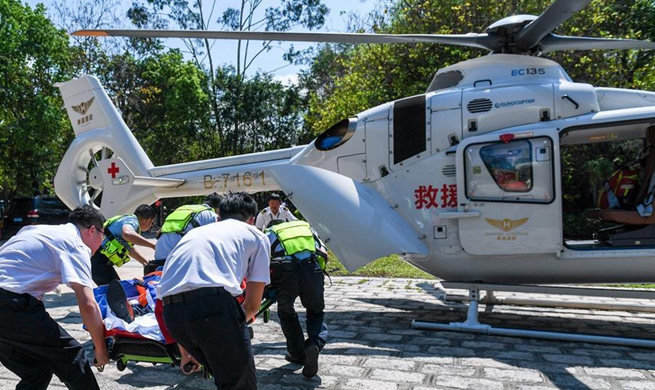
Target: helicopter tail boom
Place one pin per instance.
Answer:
(329, 201)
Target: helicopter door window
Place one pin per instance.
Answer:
(519, 171)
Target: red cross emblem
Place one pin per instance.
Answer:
(113, 170)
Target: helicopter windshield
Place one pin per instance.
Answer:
(336, 135)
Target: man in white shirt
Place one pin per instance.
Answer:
(32, 263)
(275, 210)
(201, 278)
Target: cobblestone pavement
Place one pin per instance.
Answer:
(372, 346)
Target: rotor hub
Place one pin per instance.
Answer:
(95, 178)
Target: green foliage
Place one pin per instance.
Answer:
(33, 128)
(267, 119)
(618, 68)
(387, 267)
(172, 110)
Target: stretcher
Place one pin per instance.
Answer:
(126, 343)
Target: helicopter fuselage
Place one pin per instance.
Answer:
(463, 181)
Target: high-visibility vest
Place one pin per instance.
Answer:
(114, 249)
(296, 237)
(620, 189)
(182, 217)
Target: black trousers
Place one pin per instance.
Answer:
(210, 325)
(102, 270)
(304, 280)
(34, 347)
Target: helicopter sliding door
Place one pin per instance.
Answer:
(509, 200)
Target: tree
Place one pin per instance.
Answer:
(226, 119)
(34, 130)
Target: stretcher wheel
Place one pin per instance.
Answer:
(120, 365)
(251, 332)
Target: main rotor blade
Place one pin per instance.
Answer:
(482, 41)
(557, 42)
(549, 20)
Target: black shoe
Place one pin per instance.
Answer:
(295, 360)
(117, 301)
(311, 361)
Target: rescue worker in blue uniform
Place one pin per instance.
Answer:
(298, 259)
(180, 222)
(122, 232)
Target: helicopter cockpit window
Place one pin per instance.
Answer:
(518, 171)
(336, 135)
(446, 80)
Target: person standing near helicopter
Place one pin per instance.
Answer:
(275, 210)
(298, 258)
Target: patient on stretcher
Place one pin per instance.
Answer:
(130, 305)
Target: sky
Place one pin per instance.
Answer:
(225, 51)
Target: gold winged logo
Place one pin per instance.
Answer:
(83, 107)
(506, 224)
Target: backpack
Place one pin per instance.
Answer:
(620, 189)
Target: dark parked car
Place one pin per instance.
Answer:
(33, 210)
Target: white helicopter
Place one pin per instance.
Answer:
(464, 181)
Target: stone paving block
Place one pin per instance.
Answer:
(397, 376)
(402, 348)
(595, 352)
(571, 359)
(382, 337)
(515, 355)
(596, 383)
(613, 372)
(424, 340)
(637, 355)
(637, 385)
(367, 384)
(390, 363)
(537, 348)
(483, 345)
(482, 362)
(448, 351)
(428, 359)
(628, 363)
(449, 369)
(467, 383)
(512, 375)
(345, 371)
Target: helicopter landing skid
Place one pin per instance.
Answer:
(472, 325)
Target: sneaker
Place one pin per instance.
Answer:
(117, 301)
(300, 361)
(311, 361)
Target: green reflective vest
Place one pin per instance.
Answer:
(114, 249)
(179, 220)
(295, 237)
